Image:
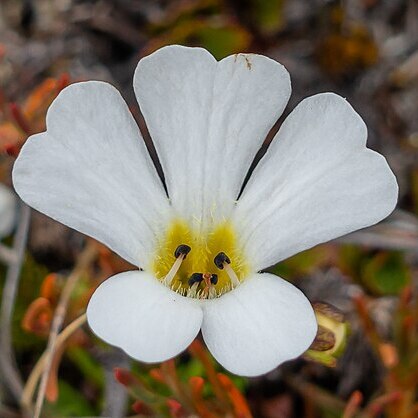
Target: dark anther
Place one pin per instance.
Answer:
(195, 278)
(214, 279)
(182, 249)
(220, 259)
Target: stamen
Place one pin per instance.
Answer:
(212, 292)
(180, 254)
(222, 261)
(232, 275)
(182, 249)
(195, 278)
(192, 292)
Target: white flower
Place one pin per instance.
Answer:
(207, 119)
(7, 210)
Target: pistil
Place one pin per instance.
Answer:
(209, 291)
(209, 280)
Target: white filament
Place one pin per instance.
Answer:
(232, 275)
(174, 269)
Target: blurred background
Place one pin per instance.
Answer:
(364, 365)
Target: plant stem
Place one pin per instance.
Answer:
(197, 350)
(115, 395)
(36, 373)
(321, 397)
(85, 259)
(8, 365)
(7, 255)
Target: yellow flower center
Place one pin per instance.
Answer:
(199, 263)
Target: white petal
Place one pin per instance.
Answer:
(91, 171)
(207, 120)
(317, 181)
(262, 323)
(7, 210)
(150, 322)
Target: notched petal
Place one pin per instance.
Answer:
(207, 120)
(91, 171)
(316, 182)
(135, 312)
(259, 325)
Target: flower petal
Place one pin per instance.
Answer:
(317, 181)
(92, 172)
(7, 210)
(150, 322)
(262, 323)
(207, 120)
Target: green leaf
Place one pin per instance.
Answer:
(70, 403)
(223, 40)
(31, 279)
(304, 263)
(90, 368)
(386, 273)
(268, 14)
